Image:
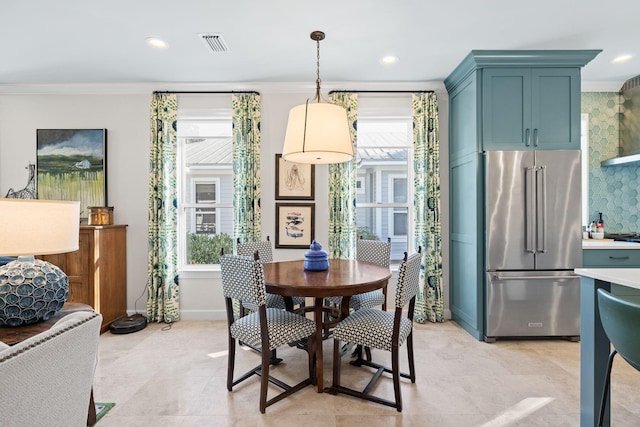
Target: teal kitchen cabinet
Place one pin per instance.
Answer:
(611, 258)
(531, 108)
(494, 97)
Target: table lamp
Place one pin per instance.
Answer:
(32, 290)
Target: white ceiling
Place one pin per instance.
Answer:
(89, 41)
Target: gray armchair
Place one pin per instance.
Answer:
(47, 379)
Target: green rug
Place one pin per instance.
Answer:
(102, 409)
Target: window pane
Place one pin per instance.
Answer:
(206, 193)
(400, 225)
(382, 223)
(400, 190)
(205, 221)
(204, 240)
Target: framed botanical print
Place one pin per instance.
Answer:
(294, 181)
(294, 225)
(71, 165)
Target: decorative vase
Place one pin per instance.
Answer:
(316, 259)
(31, 290)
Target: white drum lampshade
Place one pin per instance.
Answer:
(317, 132)
(31, 289)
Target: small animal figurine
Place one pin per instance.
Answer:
(28, 192)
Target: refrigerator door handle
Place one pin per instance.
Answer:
(541, 209)
(529, 212)
(498, 276)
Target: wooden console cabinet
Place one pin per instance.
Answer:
(98, 270)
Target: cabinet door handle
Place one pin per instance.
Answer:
(527, 137)
(619, 257)
(535, 137)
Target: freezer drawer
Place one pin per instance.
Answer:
(532, 304)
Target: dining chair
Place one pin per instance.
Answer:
(383, 330)
(265, 250)
(375, 252)
(620, 318)
(265, 329)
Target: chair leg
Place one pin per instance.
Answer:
(412, 367)
(275, 360)
(311, 349)
(337, 359)
(395, 367)
(367, 352)
(264, 379)
(231, 360)
(605, 390)
(384, 292)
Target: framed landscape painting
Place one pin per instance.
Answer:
(71, 165)
(294, 225)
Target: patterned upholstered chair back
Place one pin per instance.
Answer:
(408, 280)
(243, 279)
(264, 248)
(374, 251)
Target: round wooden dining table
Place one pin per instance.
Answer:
(344, 279)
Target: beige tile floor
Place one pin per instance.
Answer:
(177, 378)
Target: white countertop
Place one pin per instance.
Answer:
(599, 244)
(629, 277)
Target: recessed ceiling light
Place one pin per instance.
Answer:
(390, 59)
(157, 43)
(621, 58)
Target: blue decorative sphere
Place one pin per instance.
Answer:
(31, 290)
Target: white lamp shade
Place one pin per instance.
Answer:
(317, 133)
(38, 227)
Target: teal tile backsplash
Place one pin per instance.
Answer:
(613, 190)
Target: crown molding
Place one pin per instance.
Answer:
(601, 86)
(262, 87)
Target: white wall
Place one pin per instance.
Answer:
(126, 118)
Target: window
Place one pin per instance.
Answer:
(384, 172)
(205, 180)
(204, 220)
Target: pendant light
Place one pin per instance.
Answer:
(317, 132)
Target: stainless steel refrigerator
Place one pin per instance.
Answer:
(533, 243)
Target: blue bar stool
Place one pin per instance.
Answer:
(621, 322)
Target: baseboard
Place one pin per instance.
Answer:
(222, 314)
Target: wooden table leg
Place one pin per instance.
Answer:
(91, 416)
(319, 303)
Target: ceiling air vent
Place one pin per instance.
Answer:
(215, 42)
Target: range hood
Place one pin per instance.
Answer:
(629, 154)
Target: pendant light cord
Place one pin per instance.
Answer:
(318, 71)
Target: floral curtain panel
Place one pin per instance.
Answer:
(162, 277)
(246, 166)
(342, 189)
(427, 230)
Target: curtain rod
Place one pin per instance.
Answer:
(380, 91)
(206, 91)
